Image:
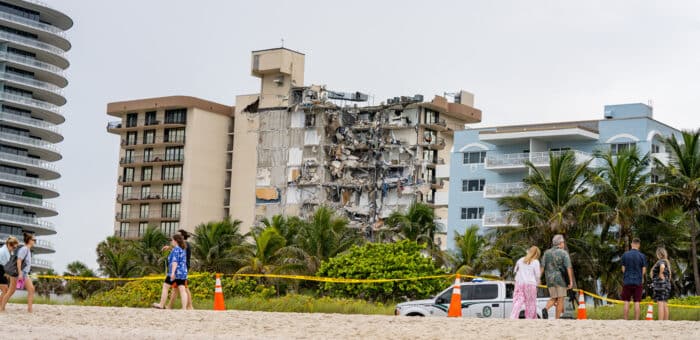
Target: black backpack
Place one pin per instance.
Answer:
(11, 265)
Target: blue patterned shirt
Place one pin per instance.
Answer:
(178, 255)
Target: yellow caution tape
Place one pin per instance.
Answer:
(338, 280)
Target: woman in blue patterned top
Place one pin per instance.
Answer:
(177, 272)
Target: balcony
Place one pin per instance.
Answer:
(45, 169)
(36, 45)
(153, 196)
(436, 183)
(141, 124)
(36, 64)
(497, 190)
(498, 219)
(55, 93)
(662, 157)
(158, 158)
(433, 163)
(153, 215)
(516, 161)
(47, 189)
(437, 143)
(41, 264)
(49, 209)
(48, 110)
(153, 179)
(436, 125)
(27, 121)
(40, 227)
(41, 148)
(33, 24)
(158, 140)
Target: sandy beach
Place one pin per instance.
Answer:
(74, 322)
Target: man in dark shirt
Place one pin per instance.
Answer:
(634, 267)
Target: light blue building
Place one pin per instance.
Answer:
(488, 163)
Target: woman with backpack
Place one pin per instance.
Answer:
(661, 282)
(6, 280)
(23, 259)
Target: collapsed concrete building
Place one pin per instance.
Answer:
(295, 147)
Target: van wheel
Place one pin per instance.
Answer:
(415, 314)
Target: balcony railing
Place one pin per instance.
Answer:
(28, 160)
(37, 262)
(31, 82)
(26, 220)
(498, 219)
(150, 196)
(31, 62)
(28, 141)
(503, 189)
(152, 159)
(435, 141)
(31, 43)
(517, 160)
(4, 115)
(27, 181)
(156, 140)
(123, 179)
(27, 200)
(29, 102)
(33, 23)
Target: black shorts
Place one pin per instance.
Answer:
(177, 282)
(3, 278)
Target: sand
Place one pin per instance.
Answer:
(74, 322)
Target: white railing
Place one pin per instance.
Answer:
(25, 220)
(33, 23)
(27, 200)
(517, 160)
(498, 219)
(42, 124)
(31, 43)
(28, 160)
(27, 181)
(31, 62)
(30, 102)
(44, 244)
(31, 82)
(28, 141)
(41, 263)
(503, 189)
(663, 157)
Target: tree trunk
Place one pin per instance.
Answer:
(694, 251)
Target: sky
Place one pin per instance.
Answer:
(525, 61)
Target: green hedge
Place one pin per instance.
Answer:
(298, 303)
(144, 293)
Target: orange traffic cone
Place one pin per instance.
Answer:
(218, 295)
(650, 313)
(581, 306)
(455, 309)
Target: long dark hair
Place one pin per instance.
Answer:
(180, 241)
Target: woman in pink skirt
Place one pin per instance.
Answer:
(527, 275)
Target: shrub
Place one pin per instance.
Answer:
(382, 261)
(144, 293)
(297, 303)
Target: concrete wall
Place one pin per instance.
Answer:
(244, 165)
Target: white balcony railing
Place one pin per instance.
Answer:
(31, 62)
(31, 82)
(29, 102)
(33, 23)
(28, 160)
(498, 219)
(42, 124)
(28, 141)
(31, 43)
(41, 263)
(26, 220)
(24, 180)
(517, 160)
(663, 157)
(496, 190)
(27, 200)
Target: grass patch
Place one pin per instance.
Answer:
(615, 312)
(296, 303)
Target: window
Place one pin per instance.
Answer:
(174, 153)
(126, 211)
(145, 191)
(169, 228)
(172, 173)
(171, 210)
(176, 116)
(474, 157)
(126, 192)
(171, 191)
(474, 213)
(143, 226)
(431, 117)
(128, 156)
(146, 173)
(123, 229)
(148, 155)
(144, 211)
(151, 118)
(149, 136)
(473, 184)
(655, 148)
(131, 119)
(484, 292)
(620, 147)
(174, 135)
(654, 178)
(131, 138)
(128, 175)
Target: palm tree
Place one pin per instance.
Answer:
(268, 254)
(287, 227)
(79, 289)
(324, 236)
(416, 224)
(681, 187)
(117, 258)
(475, 254)
(150, 250)
(621, 190)
(213, 245)
(553, 201)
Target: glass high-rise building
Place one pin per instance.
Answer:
(33, 45)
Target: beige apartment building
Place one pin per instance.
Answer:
(297, 147)
(172, 163)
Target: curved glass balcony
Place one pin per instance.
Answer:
(31, 82)
(33, 43)
(33, 23)
(37, 123)
(41, 263)
(31, 62)
(35, 202)
(24, 180)
(30, 102)
(28, 141)
(29, 161)
(27, 221)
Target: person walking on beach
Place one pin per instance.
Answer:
(557, 269)
(661, 281)
(634, 268)
(177, 272)
(188, 253)
(7, 281)
(24, 267)
(527, 276)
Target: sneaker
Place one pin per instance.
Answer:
(545, 314)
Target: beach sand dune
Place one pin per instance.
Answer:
(76, 322)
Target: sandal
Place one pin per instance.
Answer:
(156, 306)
